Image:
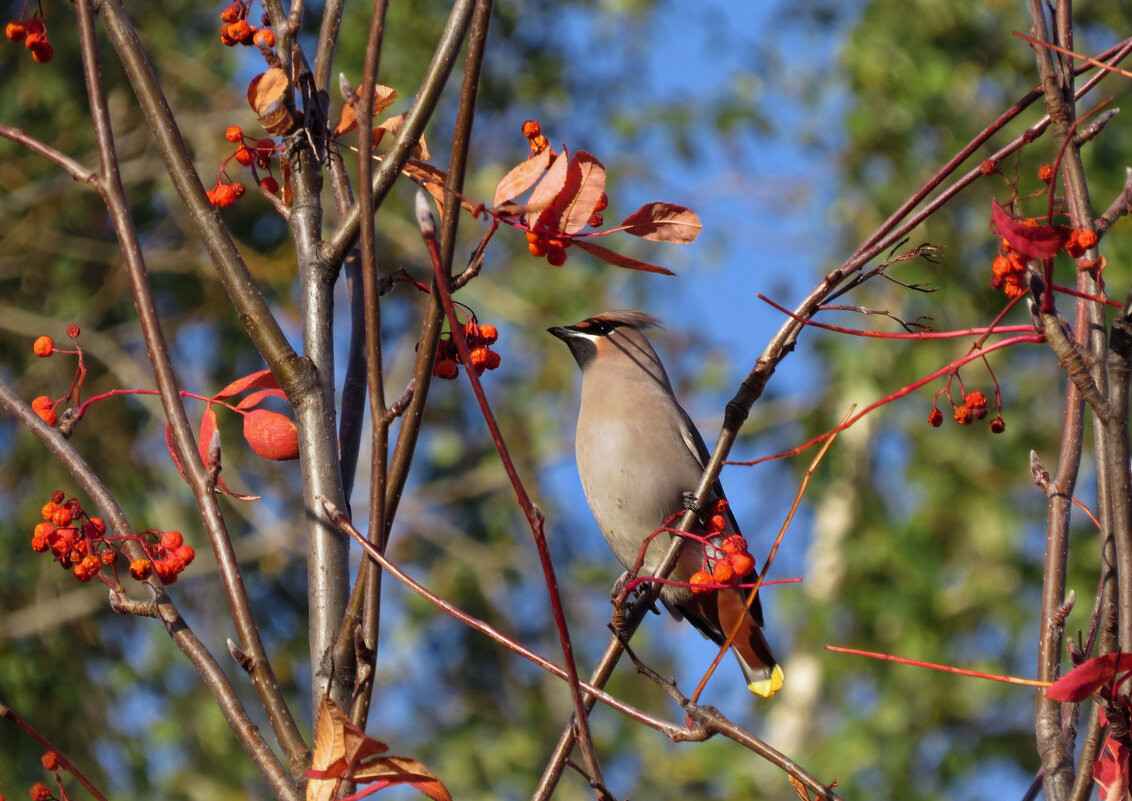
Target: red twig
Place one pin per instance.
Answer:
(533, 514)
(900, 393)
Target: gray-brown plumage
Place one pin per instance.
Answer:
(638, 453)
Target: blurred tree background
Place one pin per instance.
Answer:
(818, 121)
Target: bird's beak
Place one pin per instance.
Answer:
(560, 332)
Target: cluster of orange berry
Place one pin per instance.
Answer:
(237, 30)
(732, 561)
(43, 347)
(257, 155)
(79, 543)
(1008, 271)
(40, 791)
(973, 407)
(33, 33)
(480, 339)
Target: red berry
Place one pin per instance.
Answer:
(1045, 173)
(743, 563)
(493, 360)
(446, 369)
(716, 524)
(238, 188)
(171, 540)
(723, 572)
(963, 415)
(43, 52)
(489, 333)
(264, 38)
(270, 184)
(50, 760)
(39, 792)
(16, 31)
(997, 425)
(935, 418)
(479, 356)
(233, 133)
(140, 569)
(531, 129)
(35, 25)
(556, 256)
(73, 331)
(62, 517)
(186, 554)
(734, 544)
(43, 346)
(701, 582)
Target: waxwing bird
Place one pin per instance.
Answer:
(638, 455)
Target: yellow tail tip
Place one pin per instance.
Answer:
(768, 686)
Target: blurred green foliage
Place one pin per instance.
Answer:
(926, 543)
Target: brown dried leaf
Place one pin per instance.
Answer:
(383, 97)
(663, 222)
(343, 752)
(433, 181)
(392, 126)
(548, 188)
(521, 178)
(401, 770)
(618, 259)
(268, 95)
(589, 176)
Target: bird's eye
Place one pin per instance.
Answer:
(599, 327)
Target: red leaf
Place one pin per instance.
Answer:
(588, 174)
(204, 434)
(260, 378)
(1088, 677)
(548, 188)
(259, 397)
(401, 770)
(1110, 771)
(521, 178)
(1030, 240)
(663, 222)
(202, 445)
(271, 435)
(619, 260)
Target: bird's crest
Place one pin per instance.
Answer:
(633, 319)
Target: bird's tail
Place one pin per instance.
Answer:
(715, 615)
(763, 673)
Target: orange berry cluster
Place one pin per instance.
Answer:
(544, 240)
(973, 407)
(1009, 272)
(1009, 268)
(45, 408)
(480, 339)
(533, 131)
(732, 561)
(237, 30)
(33, 33)
(79, 543)
(250, 153)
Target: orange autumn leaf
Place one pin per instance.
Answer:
(342, 752)
(383, 97)
(521, 178)
(271, 435)
(619, 260)
(548, 188)
(585, 184)
(663, 222)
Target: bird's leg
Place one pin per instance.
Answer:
(691, 505)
